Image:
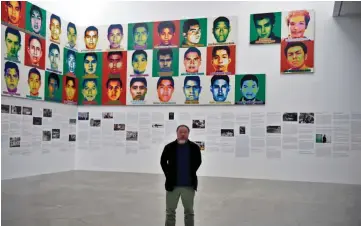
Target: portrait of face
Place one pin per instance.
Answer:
(192, 62)
(35, 51)
(13, 11)
(165, 90)
(114, 62)
(11, 80)
(221, 60)
(191, 90)
(34, 83)
(35, 21)
(140, 36)
(296, 57)
(91, 39)
(220, 89)
(249, 89)
(264, 27)
(90, 65)
(166, 36)
(89, 90)
(115, 37)
(138, 91)
(12, 42)
(55, 29)
(71, 63)
(54, 58)
(139, 64)
(182, 134)
(193, 35)
(221, 31)
(297, 26)
(114, 89)
(53, 87)
(70, 89)
(72, 36)
(165, 63)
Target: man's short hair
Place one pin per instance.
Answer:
(70, 52)
(92, 54)
(55, 17)
(140, 25)
(192, 78)
(248, 77)
(261, 16)
(304, 13)
(10, 30)
(138, 79)
(218, 77)
(293, 44)
(188, 23)
(36, 8)
(55, 77)
(115, 26)
(9, 65)
(34, 71)
(221, 19)
(89, 80)
(115, 79)
(70, 24)
(166, 24)
(34, 37)
(163, 52)
(115, 53)
(193, 49)
(165, 78)
(68, 78)
(91, 28)
(216, 48)
(54, 46)
(8, 3)
(139, 52)
(183, 126)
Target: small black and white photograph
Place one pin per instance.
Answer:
(119, 127)
(132, 136)
(72, 121)
(55, 134)
(83, 115)
(227, 132)
(46, 135)
(273, 129)
(323, 138)
(199, 124)
(72, 137)
(171, 115)
(201, 144)
(48, 113)
(5, 108)
(157, 125)
(107, 115)
(15, 110)
(290, 117)
(242, 130)
(94, 122)
(37, 121)
(27, 111)
(307, 118)
(15, 142)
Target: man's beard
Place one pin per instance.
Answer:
(181, 141)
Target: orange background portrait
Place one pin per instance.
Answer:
(76, 90)
(310, 56)
(231, 66)
(27, 57)
(122, 75)
(4, 14)
(175, 39)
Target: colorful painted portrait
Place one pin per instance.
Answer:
(70, 90)
(166, 34)
(297, 57)
(13, 44)
(54, 28)
(250, 89)
(222, 30)
(35, 82)
(70, 62)
(13, 13)
(165, 62)
(265, 28)
(137, 93)
(140, 63)
(192, 61)
(35, 51)
(298, 25)
(117, 37)
(54, 59)
(221, 60)
(193, 33)
(140, 36)
(53, 87)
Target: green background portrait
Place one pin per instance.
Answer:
(28, 20)
(131, 39)
(175, 63)
(276, 29)
(59, 93)
(261, 95)
(80, 72)
(202, 24)
(98, 98)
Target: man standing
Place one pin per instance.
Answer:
(180, 161)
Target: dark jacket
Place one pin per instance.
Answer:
(168, 161)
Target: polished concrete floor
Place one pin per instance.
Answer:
(82, 198)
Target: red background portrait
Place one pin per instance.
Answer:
(175, 39)
(309, 60)
(231, 66)
(122, 75)
(4, 14)
(27, 56)
(76, 90)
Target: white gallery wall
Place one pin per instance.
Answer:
(25, 150)
(331, 92)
